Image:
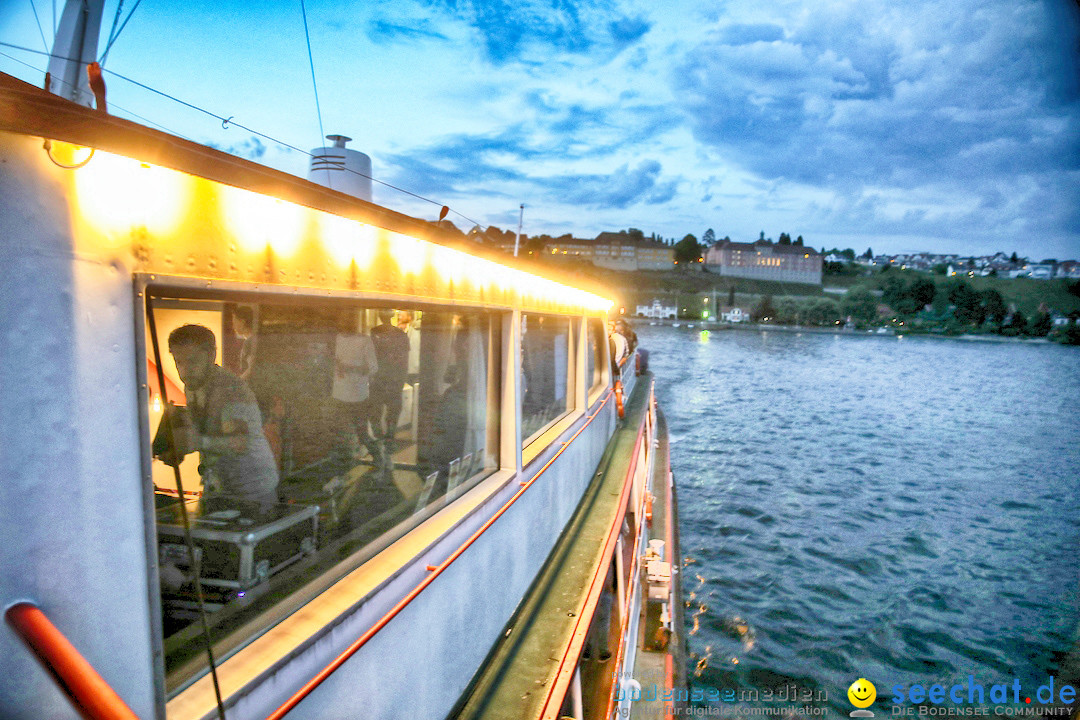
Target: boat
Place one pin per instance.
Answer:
(490, 532)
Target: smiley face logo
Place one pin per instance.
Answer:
(862, 693)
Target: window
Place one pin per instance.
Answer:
(546, 386)
(312, 434)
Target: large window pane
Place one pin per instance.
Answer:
(304, 433)
(545, 378)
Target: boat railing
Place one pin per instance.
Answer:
(433, 572)
(89, 693)
(558, 689)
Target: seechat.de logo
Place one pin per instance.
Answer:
(862, 694)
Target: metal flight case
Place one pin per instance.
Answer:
(238, 543)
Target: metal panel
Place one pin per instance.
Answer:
(71, 538)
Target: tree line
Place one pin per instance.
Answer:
(916, 304)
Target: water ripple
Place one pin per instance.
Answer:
(899, 511)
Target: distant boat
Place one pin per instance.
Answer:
(676, 324)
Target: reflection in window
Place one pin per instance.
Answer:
(371, 418)
(594, 356)
(544, 378)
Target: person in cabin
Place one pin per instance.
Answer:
(354, 364)
(222, 423)
(243, 325)
(392, 354)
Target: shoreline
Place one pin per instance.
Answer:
(758, 327)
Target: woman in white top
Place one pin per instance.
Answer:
(354, 364)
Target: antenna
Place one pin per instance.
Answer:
(517, 238)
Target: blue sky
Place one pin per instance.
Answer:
(948, 125)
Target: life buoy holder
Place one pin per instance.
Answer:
(618, 399)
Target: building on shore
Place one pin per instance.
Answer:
(734, 314)
(622, 251)
(614, 251)
(764, 260)
(656, 311)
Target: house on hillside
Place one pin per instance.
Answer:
(764, 260)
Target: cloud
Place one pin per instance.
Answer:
(251, 148)
(950, 107)
(628, 30)
(619, 189)
(504, 164)
(509, 29)
(382, 30)
(743, 34)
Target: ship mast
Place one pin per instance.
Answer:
(74, 47)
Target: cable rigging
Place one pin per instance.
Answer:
(38, 21)
(315, 85)
(231, 122)
(114, 33)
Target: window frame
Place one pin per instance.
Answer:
(445, 513)
(532, 445)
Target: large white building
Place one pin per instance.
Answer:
(764, 260)
(656, 310)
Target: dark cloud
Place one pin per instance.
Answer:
(486, 166)
(460, 165)
(620, 189)
(628, 30)
(385, 30)
(508, 29)
(739, 34)
(967, 102)
(251, 148)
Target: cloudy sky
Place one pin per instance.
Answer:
(902, 125)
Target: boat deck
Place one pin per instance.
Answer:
(515, 682)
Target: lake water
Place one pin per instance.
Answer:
(904, 510)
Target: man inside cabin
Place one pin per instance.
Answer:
(224, 424)
(392, 353)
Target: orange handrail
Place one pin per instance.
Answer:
(433, 573)
(88, 691)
